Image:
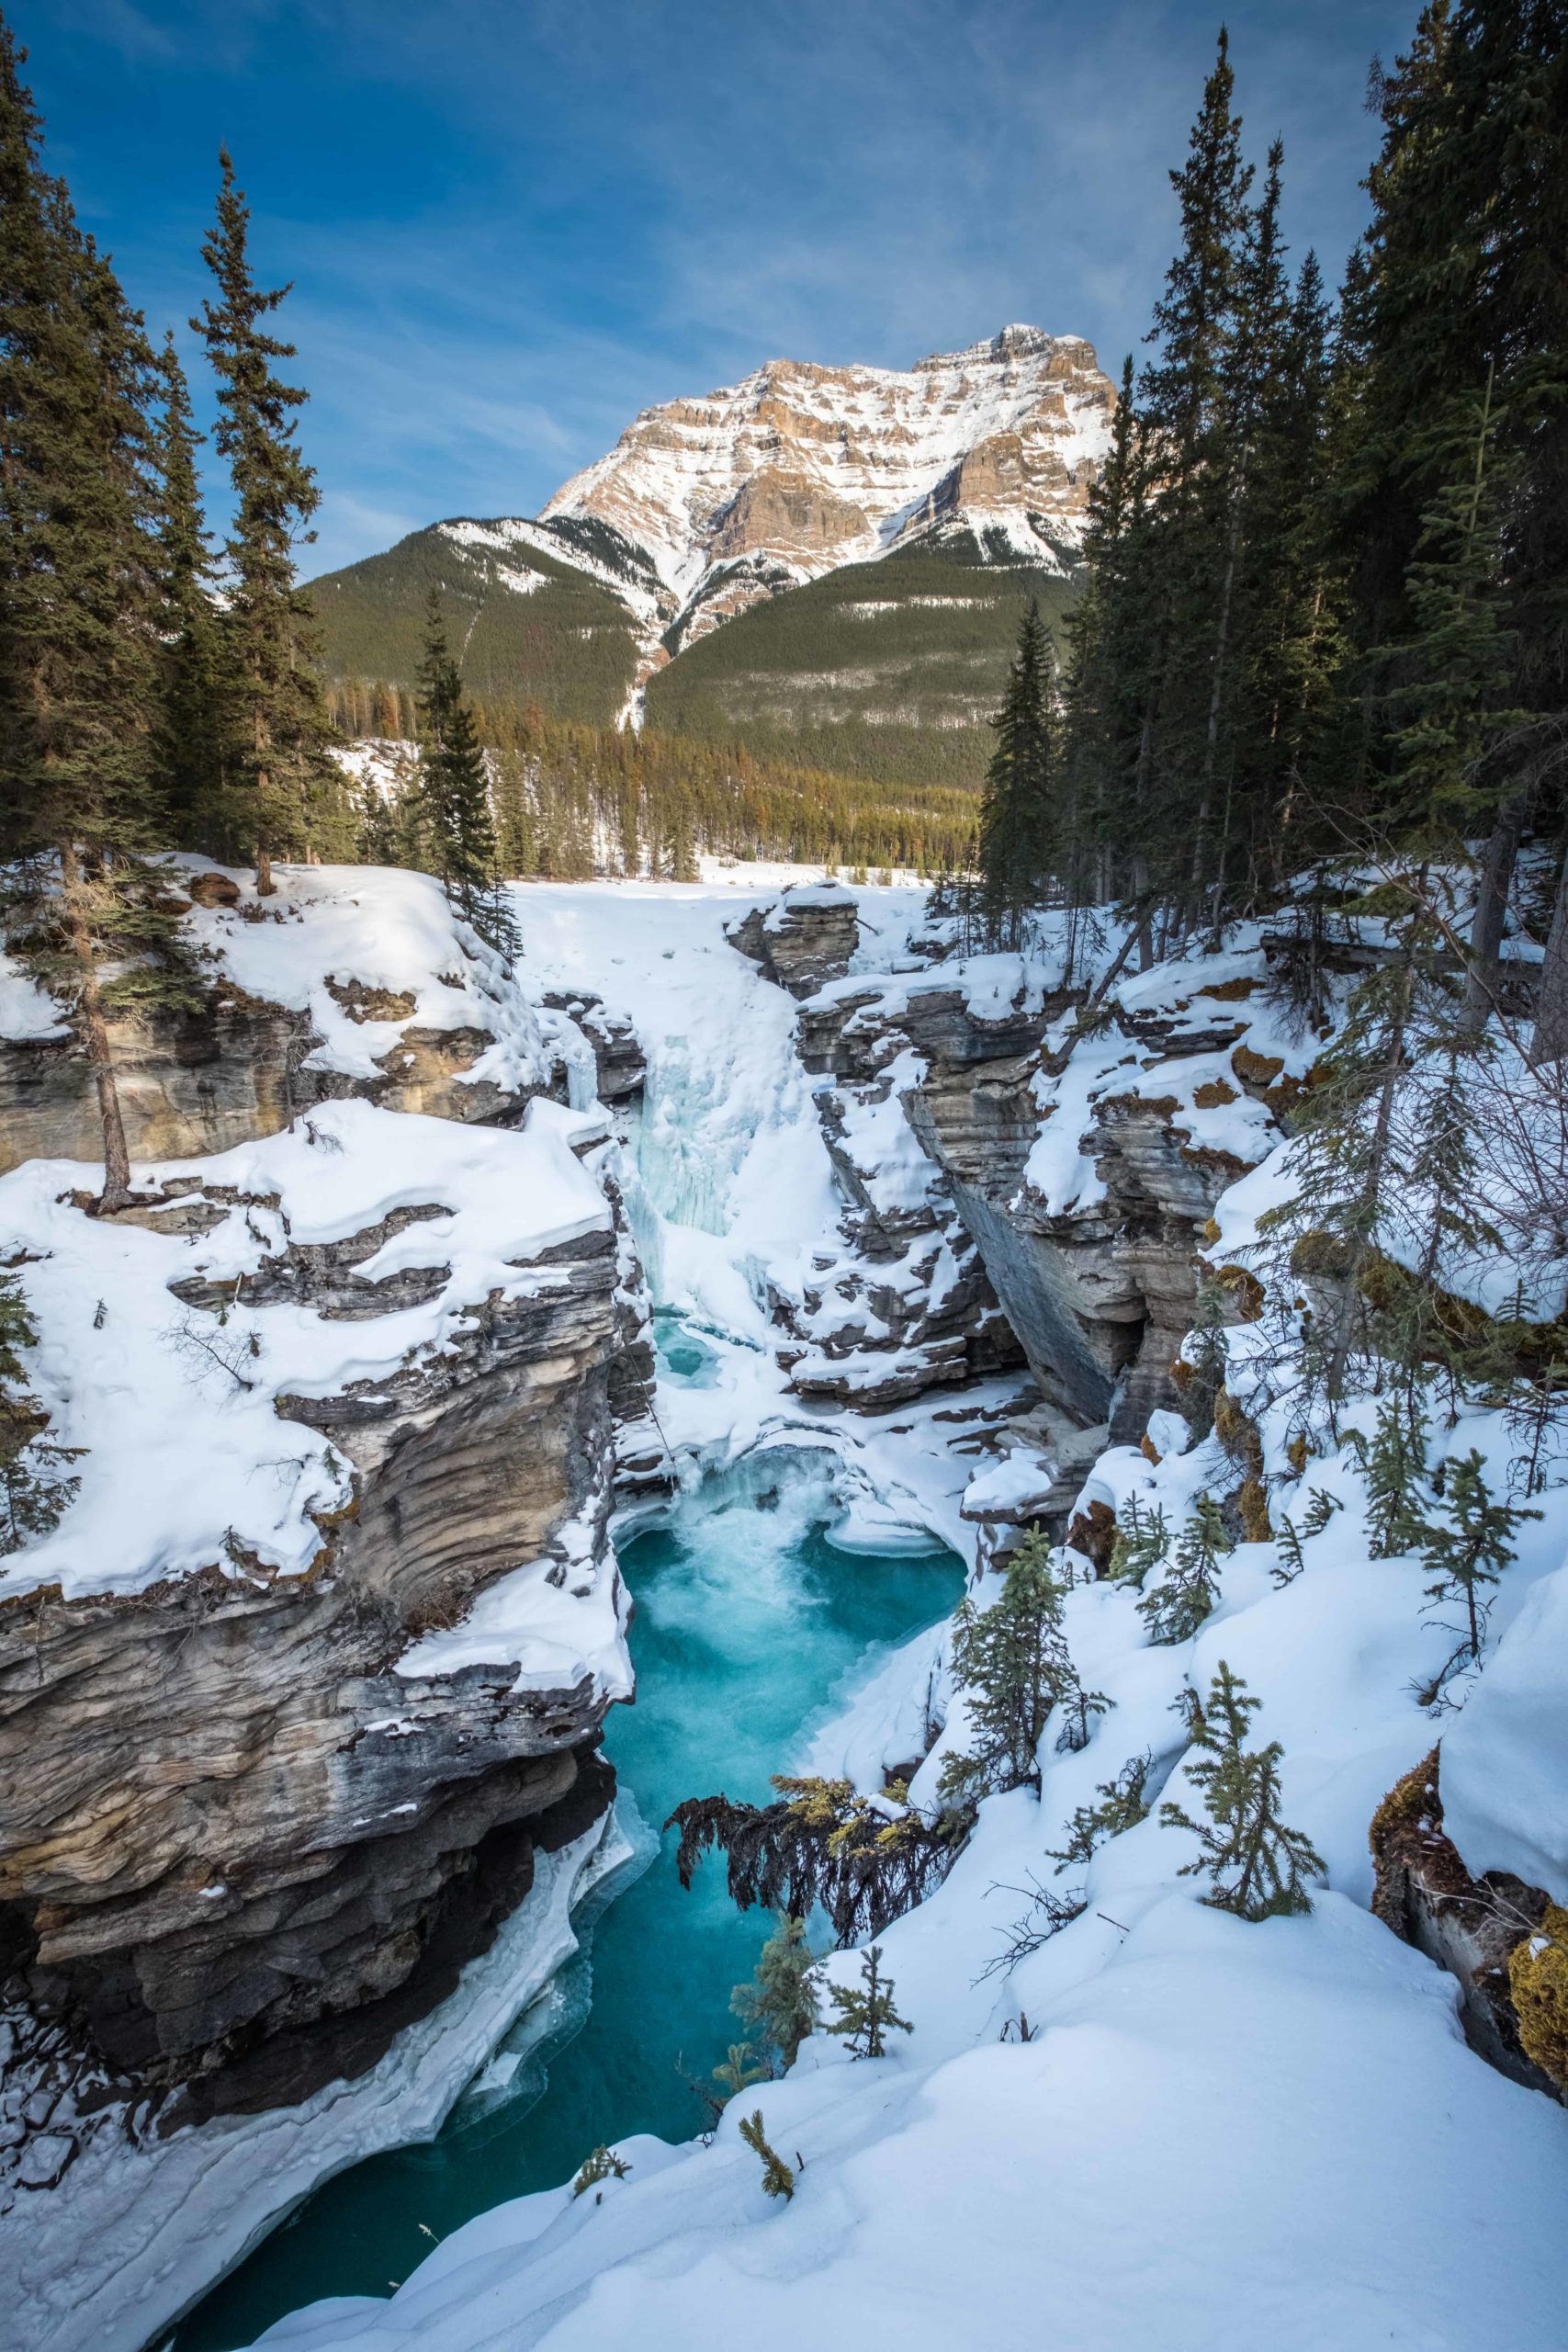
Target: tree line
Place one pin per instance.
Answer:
(152, 690)
(571, 801)
(1325, 604)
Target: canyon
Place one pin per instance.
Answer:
(319, 1656)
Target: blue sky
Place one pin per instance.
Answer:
(512, 223)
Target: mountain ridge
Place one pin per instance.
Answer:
(714, 508)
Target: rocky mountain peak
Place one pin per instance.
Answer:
(801, 467)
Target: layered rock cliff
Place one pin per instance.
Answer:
(313, 1666)
(806, 467)
(350, 982)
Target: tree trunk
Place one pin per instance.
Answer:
(1551, 1043)
(1392, 1067)
(94, 1032)
(1492, 905)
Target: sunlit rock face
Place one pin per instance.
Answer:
(808, 468)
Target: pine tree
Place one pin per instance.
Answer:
(1017, 813)
(778, 2180)
(79, 607)
(1471, 1551)
(739, 2071)
(189, 742)
(1186, 1595)
(1257, 1867)
(865, 2011)
(1141, 1546)
(454, 792)
(781, 2004)
(1396, 1464)
(34, 1487)
(601, 2164)
(1123, 1803)
(1010, 1661)
(279, 726)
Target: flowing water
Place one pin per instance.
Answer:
(751, 1626)
(749, 1621)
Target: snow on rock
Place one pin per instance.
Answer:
(799, 467)
(175, 1404)
(28, 1014)
(1162, 2126)
(336, 941)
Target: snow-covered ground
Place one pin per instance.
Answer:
(1165, 2130)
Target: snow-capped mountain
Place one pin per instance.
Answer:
(799, 468)
(941, 493)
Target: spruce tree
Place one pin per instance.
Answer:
(778, 2179)
(865, 2012)
(1186, 1594)
(1141, 1546)
(1012, 1663)
(1017, 812)
(739, 2071)
(1257, 1867)
(280, 730)
(190, 737)
(79, 609)
(1123, 1803)
(1469, 1552)
(454, 792)
(35, 1487)
(781, 2004)
(1397, 1465)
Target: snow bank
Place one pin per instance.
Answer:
(1504, 1763)
(1214, 2144)
(1198, 2134)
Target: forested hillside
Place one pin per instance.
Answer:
(888, 671)
(532, 626)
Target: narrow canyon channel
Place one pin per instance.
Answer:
(746, 1616)
(753, 1627)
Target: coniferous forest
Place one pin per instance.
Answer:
(1323, 620)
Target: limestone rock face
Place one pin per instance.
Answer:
(619, 1057)
(190, 1083)
(803, 941)
(289, 1020)
(1100, 1297)
(809, 467)
(247, 1832)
